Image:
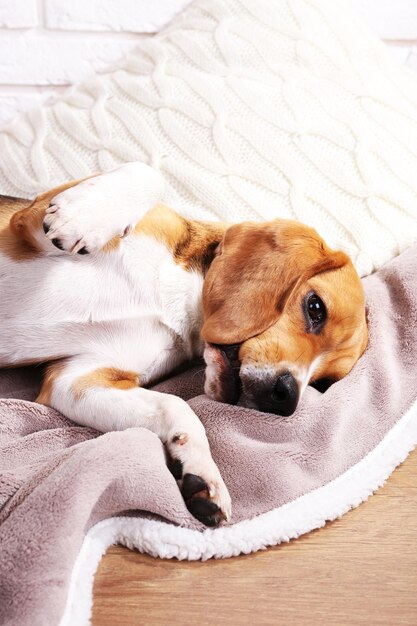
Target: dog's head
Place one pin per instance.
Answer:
(281, 310)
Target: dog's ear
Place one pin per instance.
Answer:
(256, 269)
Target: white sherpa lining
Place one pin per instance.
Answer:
(289, 521)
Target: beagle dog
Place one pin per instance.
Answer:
(113, 290)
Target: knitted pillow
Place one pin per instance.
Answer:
(251, 109)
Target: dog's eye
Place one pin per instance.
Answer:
(316, 310)
(231, 351)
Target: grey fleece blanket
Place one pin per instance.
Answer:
(58, 479)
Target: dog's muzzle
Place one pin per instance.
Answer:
(265, 390)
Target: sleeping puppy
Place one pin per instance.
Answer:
(113, 291)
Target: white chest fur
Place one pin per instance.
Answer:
(134, 308)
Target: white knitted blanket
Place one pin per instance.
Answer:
(251, 109)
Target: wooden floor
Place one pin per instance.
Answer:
(361, 569)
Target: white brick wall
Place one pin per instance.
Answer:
(394, 21)
(47, 44)
(390, 19)
(139, 16)
(18, 14)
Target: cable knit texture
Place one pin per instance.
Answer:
(251, 109)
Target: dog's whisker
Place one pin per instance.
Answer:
(198, 372)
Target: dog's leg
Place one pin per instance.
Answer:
(108, 399)
(86, 215)
(100, 211)
(25, 220)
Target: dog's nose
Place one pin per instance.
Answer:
(285, 394)
(282, 399)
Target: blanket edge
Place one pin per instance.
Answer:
(306, 513)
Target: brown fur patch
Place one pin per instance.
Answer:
(20, 219)
(112, 245)
(105, 377)
(192, 243)
(11, 245)
(52, 373)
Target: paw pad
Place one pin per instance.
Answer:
(196, 494)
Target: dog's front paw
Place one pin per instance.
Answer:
(77, 221)
(202, 487)
(84, 218)
(205, 500)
